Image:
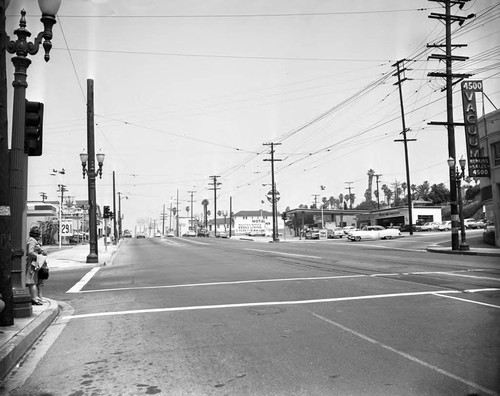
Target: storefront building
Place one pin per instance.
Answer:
(489, 142)
(399, 216)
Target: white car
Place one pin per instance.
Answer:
(430, 226)
(445, 226)
(470, 223)
(374, 232)
(336, 232)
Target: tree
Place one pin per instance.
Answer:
(368, 192)
(439, 194)
(388, 193)
(422, 191)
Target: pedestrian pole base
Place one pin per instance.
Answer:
(464, 246)
(22, 303)
(92, 258)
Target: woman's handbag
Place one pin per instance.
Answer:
(43, 271)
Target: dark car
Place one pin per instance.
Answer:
(127, 234)
(203, 232)
(140, 235)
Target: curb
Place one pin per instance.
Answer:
(437, 249)
(19, 344)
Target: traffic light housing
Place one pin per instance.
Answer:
(107, 212)
(283, 215)
(33, 128)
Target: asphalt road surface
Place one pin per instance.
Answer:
(206, 316)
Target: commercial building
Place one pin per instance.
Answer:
(489, 143)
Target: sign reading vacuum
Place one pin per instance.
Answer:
(479, 166)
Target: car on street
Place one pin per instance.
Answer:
(189, 233)
(221, 234)
(158, 235)
(470, 223)
(336, 232)
(445, 226)
(312, 233)
(140, 235)
(170, 234)
(430, 226)
(127, 234)
(203, 232)
(374, 232)
(348, 229)
(406, 228)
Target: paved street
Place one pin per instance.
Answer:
(215, 316)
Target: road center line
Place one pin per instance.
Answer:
(407, 356)
(267, 304)
(283, 253)
(82, 282)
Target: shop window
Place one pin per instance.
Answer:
(495, 152)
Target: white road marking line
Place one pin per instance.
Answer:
(469, 301)
(284, 254)
(223, 283)
(407, 356)
(268, 303)
(82, 282)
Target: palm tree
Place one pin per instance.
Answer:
(205, 204)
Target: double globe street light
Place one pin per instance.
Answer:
(88, 159)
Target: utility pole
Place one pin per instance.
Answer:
(273, 190)
(215, 187)
(350, 196)
(230, 216)
(315, 200)
(170, 217)
(378, 192)
(400, 70)
(163, 215)
(44, 196)
(191, 226)
(177, 215)
(115, 232)
(448, 19)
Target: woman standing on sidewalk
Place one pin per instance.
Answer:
(33, 264)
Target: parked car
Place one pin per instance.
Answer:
(312, 233)
(127, 234)
(430, 226)
(221, 234)
(445, 226)
(189, 233)
(481, 224)
(406, 228)
(336, 232)
(348, 229)
(157, 234)
(170, 234)
(470, 223)
(373, 232)
(203, 232)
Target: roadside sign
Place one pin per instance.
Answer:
(269, 196)
(66, 228)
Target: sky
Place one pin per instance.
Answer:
(186, 90)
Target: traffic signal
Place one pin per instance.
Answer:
(33, 128)
(283, 215)
(107, 213)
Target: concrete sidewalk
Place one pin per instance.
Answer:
(16, 340)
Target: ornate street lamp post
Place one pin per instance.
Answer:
(18, 156)
(93, 256)
(458, 176)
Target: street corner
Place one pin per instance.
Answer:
(16, 340)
